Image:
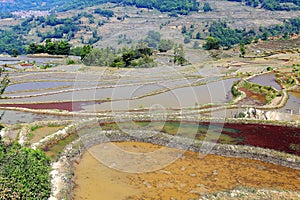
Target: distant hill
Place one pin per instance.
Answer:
(273, 4)
(177, 6)
(183, 6)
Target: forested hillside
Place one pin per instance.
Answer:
(178, 6)
(228, 37)
(273, 4)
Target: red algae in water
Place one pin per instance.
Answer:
(280, 138)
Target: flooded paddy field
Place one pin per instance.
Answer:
(215, 92)
(181, 92)
(280, 138)
(36, 86)
(17, 117)
(138, 94)
(292, 105)
(268, 79)
(190, 176)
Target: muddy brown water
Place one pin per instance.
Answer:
(187, 177)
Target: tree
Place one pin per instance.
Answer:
(14, 53)
(183, 31)
(49, 47)
(32, 48)
(86, 49)
(198, 36)
(186, 40)
(153, 38)
(165, 45)
(206, 7)
(179, 55)
(242, 49)
(265, 35)
(62, 48)
(211, 43)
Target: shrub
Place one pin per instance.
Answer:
(70, 62)
(24, 173)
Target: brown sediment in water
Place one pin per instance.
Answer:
(253, 98)
(185, 178)
(39, 133)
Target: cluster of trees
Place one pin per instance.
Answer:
(50, 47)
(222, 35)
(179, 55)
(226, 36)
(4, 14)
(63, 27)
(288, 27)
(140, 56)
(206, 7)
(173, 6)
(273, 4)
(81, 51)
(104, 13)
(66, 28)
(212, 43)
(189, 33)
(178, 6)
(11, 43)
(97, 56)
(57, 5)
(153, 40)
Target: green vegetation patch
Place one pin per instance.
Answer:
(273, 4)
(177, 6)
(268, 91)
(53, 151)
(24, 173)
(220, 33)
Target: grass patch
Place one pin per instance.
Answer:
(30, 135)
(53, 125)
(33, 128)
(55, 150)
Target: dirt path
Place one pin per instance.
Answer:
(188, 177)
